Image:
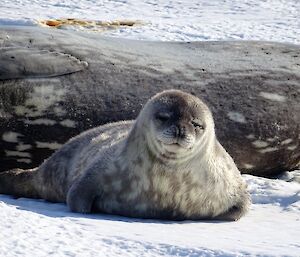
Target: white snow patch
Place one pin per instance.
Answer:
(23, 147)
(24, 160)
(250, 136)
(271, 228)
(68, 123)
(248, 166)
(237, 117)
(268, 150)
(260, 143)
(11, 137)
(273, 139)
(46, 122)
(17, 153)
(272, 96)
(287, 141)
(188, 20)
(292, 147)
(49, 145)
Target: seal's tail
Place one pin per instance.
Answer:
(19, 183)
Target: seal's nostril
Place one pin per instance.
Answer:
(181, 131)
(175, 130)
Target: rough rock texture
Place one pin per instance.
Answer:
(55, 84)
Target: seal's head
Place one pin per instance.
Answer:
(179, 123)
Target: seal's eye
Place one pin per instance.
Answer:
(163, 116)
(197, 124)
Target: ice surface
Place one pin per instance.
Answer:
(271, 228)
(181, 20)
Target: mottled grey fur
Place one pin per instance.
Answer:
(167, 164)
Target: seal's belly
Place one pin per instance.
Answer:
(164, 197)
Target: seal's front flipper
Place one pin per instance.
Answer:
(21, 62)
(237, 211)
(82, 194)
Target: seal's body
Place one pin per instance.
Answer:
(167, 164)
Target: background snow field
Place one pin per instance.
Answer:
(181, 20)
(271, 228)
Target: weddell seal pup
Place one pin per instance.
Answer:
(167, 164)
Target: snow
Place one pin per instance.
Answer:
(271, 228)
(180, 20)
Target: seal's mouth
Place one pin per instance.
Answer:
(175, 145)
(175, 142)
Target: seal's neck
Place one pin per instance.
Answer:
(133, 148)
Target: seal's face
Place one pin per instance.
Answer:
(179, 123)
(177, 129)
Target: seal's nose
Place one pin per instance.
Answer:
(175, 131)
(180, 131)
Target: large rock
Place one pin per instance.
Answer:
(55, 84)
